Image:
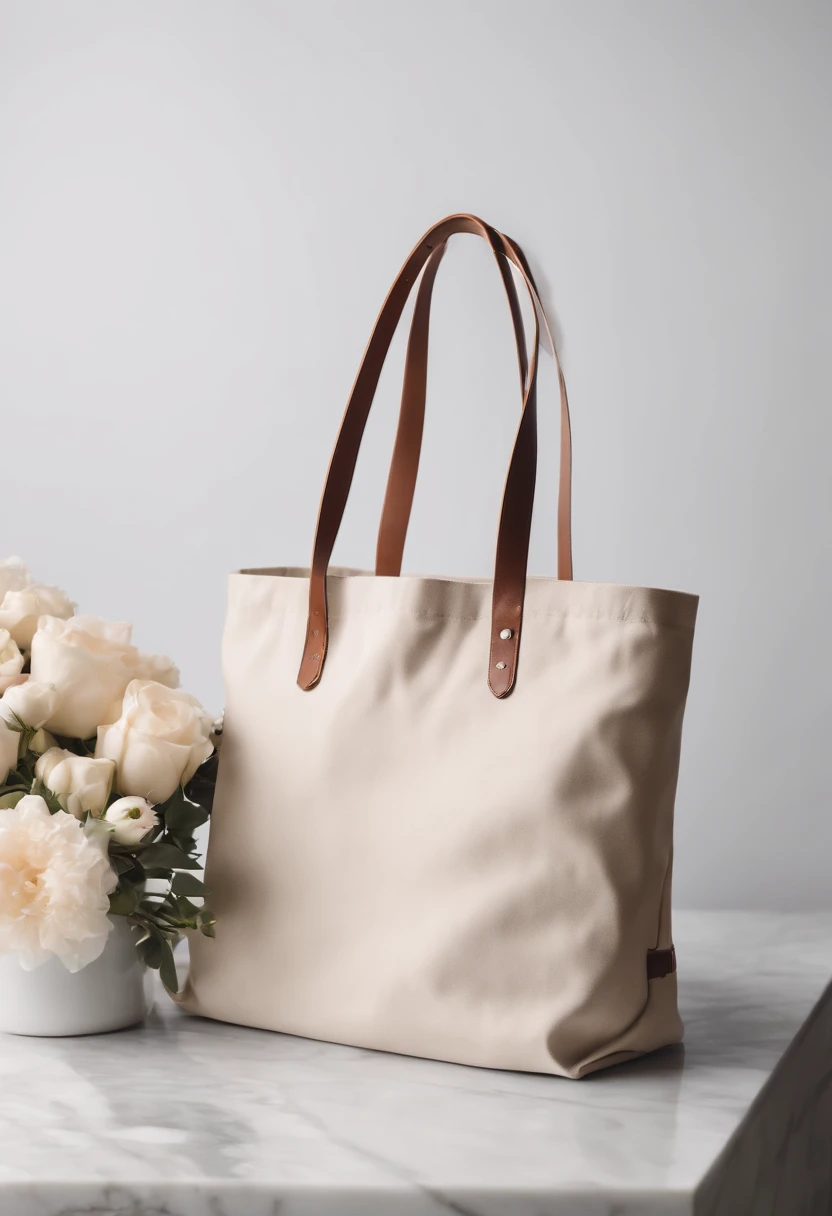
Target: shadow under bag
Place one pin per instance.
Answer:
(449, 833)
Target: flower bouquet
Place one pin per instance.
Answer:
(106, 772)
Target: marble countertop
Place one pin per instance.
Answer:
(184, 1117)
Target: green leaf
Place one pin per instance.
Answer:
(136, 923)
(168, 856)
(187, 884)
(181, 816)
(10, 800)
(185, 910)
(130, 870)
(200, 788)
(163, 808)
(185, 818)
(124, 902)
(207, 929)
(151, 950)
(167, 967)
(186, 843)
(46, 794)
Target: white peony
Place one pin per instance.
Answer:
(11, 661)
(9, 747)
(30, 703)
(131, 819)
(20, 610)
(13, 576)
(159, 741)
(84, 783)
(54, 887)
(90, 662)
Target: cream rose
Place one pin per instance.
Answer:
(159, 741)
(13, 576)
(84, 783)
(30, 703)
(130, 819)
(90, 662)
(11, 661)
(55, 884)
(20, 610)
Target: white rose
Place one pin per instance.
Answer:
(90, 662)
(84, 783)
(11, 661)
(9, 747)
(30, 703)
(159, 668)
(159, 741)
(131, 818)
(13, 576)
(21, 609)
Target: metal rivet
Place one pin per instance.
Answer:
(505, 634)
(500, 666)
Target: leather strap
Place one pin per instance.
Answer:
(518, 496)
(661, 963)
(407, 451)
(404, 468)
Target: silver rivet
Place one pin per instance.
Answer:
(505, 634)
(500, 666)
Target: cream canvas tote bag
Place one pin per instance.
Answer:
(449, 834)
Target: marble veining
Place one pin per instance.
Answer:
(184, 1117)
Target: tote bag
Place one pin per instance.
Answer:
(443, 817)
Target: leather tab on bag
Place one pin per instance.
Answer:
(660, 963)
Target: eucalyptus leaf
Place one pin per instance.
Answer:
(186, 843)
(187, 884)
(168, 856)
(184, 909)
(127, 865)
(151, 950)
(143, 935)
(167, 968)
(184, 817)
(10, 800)
(200, 788)
(178, 795)
(124, 902)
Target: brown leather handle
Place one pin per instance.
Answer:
(518, 497)
(407, 451)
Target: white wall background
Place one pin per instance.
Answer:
(203, 204)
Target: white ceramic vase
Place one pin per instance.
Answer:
(113, 992)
